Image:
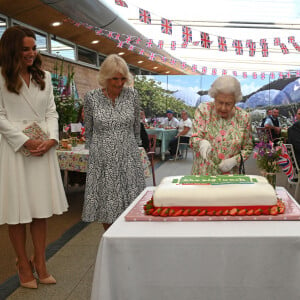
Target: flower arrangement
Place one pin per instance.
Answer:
(67, 104)
(267, 156)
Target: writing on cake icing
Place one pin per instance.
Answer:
(215, 180)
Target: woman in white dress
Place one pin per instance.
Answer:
(31, 189)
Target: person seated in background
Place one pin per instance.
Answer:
(269, 113)
(143, 118)
(273, 123)
(221, 132)
(184, 134)
(294, 136)
(170, 120)
(144, 142)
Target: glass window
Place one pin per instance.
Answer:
(62, 49)
(87, 56)
(3, 26)
(41, 42)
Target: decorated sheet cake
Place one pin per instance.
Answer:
(214, 195)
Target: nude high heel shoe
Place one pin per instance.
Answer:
(48, 280)
(30, 284)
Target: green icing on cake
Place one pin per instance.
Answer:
(215, 180)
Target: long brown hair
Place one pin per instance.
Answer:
(11, 45)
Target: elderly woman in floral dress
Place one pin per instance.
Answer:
(221, 131)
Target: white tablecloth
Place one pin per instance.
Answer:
(242, 260)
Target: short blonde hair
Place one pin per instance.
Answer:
(226, 85)
(111, 65)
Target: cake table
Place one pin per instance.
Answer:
(198, 260)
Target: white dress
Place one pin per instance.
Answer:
(30, 187)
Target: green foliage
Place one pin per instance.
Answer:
(155, 100)
(67, 105)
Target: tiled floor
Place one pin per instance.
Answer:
(72, 262)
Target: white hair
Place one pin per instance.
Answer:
(226, 85)
(111, 65)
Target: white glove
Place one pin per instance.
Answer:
(227, 164)
(205, 148)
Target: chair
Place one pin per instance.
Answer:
(151, 153)
(184, 147)
(264, 134)
(295, 181)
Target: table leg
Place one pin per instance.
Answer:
(66, 179)
(163, 156)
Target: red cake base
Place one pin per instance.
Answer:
(177, 211)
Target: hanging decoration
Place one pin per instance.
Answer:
(166, 26)
(145, 16)
(131, 43)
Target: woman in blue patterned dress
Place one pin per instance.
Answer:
(115, 175)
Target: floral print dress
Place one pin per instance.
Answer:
(228, 138)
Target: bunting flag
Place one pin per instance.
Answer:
(252, 48)
(234, 73)
(194, 68)
(117, 37)
(254, 75)
(214, 71)
(138, 40)
(264, 50)
(205, 41)
(120, 44)
(272, 75)
(222, 43)
(173, 61)
(187, 35)
(245, 75)
(238, 45)
(160, 44)
(110, 34)
(298, 73)
(121, 3)
(280, 76)
(263, 75)
(183, 65)
(142, 51)
(288, 74)
(128, 39)
(196, 43)
(284, 49)
(131, 47)
(248, 43)
(262, 41)
(145, 16)
(224, 72)
(99, 32)
(152, 56)
(276, 41)
(204, 70)
(184, 45)
(166, 26)
(149, 43)
(173, 45)
(163, 58)
(296, 46)
(285, 162)
(291, 39)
